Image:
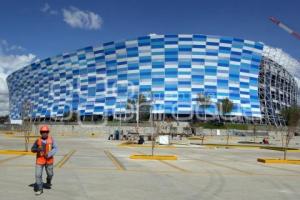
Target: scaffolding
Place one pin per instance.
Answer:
(277, 86)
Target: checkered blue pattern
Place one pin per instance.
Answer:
(173, 69)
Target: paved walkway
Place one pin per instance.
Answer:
(93, 168)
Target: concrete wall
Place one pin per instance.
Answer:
(86, 130)
(104, 129)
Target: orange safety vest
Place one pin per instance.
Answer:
(40, 157)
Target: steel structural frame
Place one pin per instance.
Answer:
(277, 90)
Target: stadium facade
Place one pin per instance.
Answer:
(171, 70)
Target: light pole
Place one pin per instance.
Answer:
(152, 124)
(138, 113)
(120, 118)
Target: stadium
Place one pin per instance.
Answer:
(169, 70)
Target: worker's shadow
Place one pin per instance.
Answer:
(45, 186)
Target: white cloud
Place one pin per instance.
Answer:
(10, 62)
(82, 19)
(6, 48)
(76, 18)
(47, 9)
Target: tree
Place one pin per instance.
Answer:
(140, 108)
(4, 119)
(73, 116)
(66, 116)
(204, 102)
(225, 106)
(158, 129)
(130, 109)
(254, 132)
(144, 108)
(291, 116)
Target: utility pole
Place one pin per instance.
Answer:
(138, 113)
(120, 117)
(152, 124)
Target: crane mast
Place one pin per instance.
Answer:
(285, 27)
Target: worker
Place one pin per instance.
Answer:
(141, 140)
(45, 148)
(265, 140)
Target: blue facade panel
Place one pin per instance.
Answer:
(172, 68)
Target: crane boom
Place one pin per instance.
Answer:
(285, 27)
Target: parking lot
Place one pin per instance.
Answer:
(94, 168)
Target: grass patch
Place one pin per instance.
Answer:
(216, 125)
(213, 125)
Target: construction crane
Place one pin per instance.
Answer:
(285, 27)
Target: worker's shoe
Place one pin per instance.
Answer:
(47, 185)
(49, 182)
(38, 192)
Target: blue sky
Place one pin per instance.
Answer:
(45, 34)
(37, 29)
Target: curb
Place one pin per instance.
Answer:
(278, 161)
(16, 152)
(274, 148)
